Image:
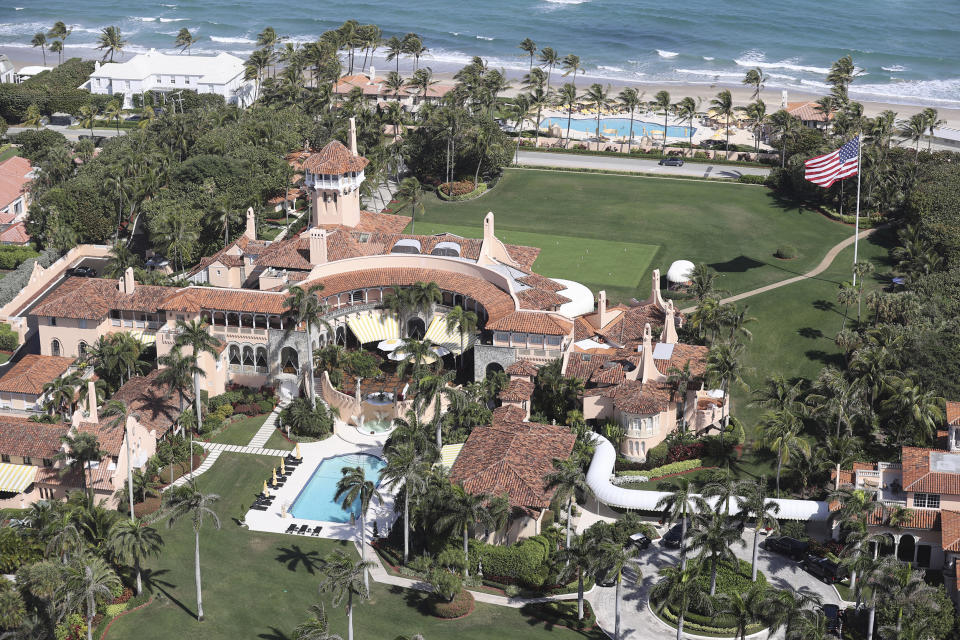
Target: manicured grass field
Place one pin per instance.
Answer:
(241, 431)
(260, 585)
(735, 228)
(276, 441)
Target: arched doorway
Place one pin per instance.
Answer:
(289, 360)
(416, 328)
(342, 335)
(907, 549)
(493, 368)
(55, 348)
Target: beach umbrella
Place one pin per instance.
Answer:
(283, 470)
(266, 492)
(389, 345)
(297, 449)
(265, 488)
(274, 472)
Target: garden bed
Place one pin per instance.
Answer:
(460, 607)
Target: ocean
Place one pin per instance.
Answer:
(907, 51)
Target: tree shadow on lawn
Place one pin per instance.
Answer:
(275, 634)
(810, 333)
(825, 305)
(825, 358)
(415, 599)
(293, 556)
(740, 264)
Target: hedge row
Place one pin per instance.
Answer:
(461, 605)
(525, 563)
(12, 256)
(665, 470)
(466, 196)
(749, 178)
(690, 625)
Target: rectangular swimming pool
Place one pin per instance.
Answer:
(316, 500)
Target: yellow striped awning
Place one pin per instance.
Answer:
(374, 327)
(144, 337)
(14, 478)
(448, 454)
(437, 333)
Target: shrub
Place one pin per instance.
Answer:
(305, 421)
(459, 606)
(794, 529)
(113, 610)
(525, 563)
(8, 340)
(786, 252)
(446, 584)
(248, 409)
(265, 406)
(459, 188)
(752, 179)
(14, 282)
(512, 591)
(667, 469)
(11, 256)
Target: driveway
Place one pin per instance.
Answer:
(637, 622)
(634, 165)
(71, 134)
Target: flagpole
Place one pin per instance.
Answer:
(856, 223)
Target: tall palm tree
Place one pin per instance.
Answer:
(914, 129)
(537, 99)
(60, 393)
(405, 466)
(580, 559)
(616, 557)
(184, 40)
(714, 537)
(188, 502)
(464, 322)
(723, 106)
(757, 112)
(785, 608)
(932, 120)
(57, 47)
(630, 99)
(59, 32)
(566, 98)
(112, 41)
(598, 96)
(394, 47)
(661, 101)
(196, 335)
(755, 79)
(530, 47)
(780, 431)
(82, 450)
(680, 505)
(568, 479)
(548, 58)
(413, 47)
(352, 488)
(134, 541)
(303, 306)
(91, 579)
(344, 579)
(571, 65)
(121, 413)
(744, 609)
(687, 111)
(40, 40)
(787, 127)
(841, 451)
(724, 365)
(841, 74)
(315, 627)
(755, 507)
(679, 589)
(463, 510)
(410, 194)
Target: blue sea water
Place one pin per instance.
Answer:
(908, 50)
(621, 125)
(316, 499)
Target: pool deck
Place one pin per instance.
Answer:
(346, 440)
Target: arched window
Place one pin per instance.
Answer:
(341, 335)
(81, 348)
(289, 361)
(262, 357)
(233, 319)
(234, 354)
(356, 297)
(247, 356)
(55, 348)
(416, 328)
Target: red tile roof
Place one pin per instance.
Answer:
(918, 477)
(643, 398)
(32, 372)
(806, 111)
(153, 404)
(522, 368)
(950, 526)
(532, 322)
(334, 159)
(13, 179)
(508, 414)
(94, 298)
(195, 299)
(541, 299)
(953, 413)
(518, 390)
(513, 459)
(21, 437)
(15, 234)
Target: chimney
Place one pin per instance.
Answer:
(318, 246)
(648, 369)
(92, 401)
(251, 230)
(669, 334)
(353, 136)
(488, 235)
(127, 283)
(373, 74)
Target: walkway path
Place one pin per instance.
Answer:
(206, 464)
(236, 448)
(263, 434)
(820, 268)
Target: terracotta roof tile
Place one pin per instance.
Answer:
(953, 413)
(540, 299)
(13, 179)
(195, 299)
(645, 398)
(919, 518)
(334, 159)
(917, 475)
(518, 390)
(532, 322)
(154, 405)
(508, 414)
(32, 372)
(21, 437)
(806, 111)
(950, 526)
(512, 459)
(94, 298)
(541, 282)
(15, 234)
(522, 368)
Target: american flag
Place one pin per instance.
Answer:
(837, 165)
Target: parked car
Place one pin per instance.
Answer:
(787, 546)
(672, 537)
(825, 569)
(82, 272)
(834, 616)
(671, 162)
(606, 577)
(639, 540)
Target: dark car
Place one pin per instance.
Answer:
(606, 577)
(825, 569)
(82, 272)
(790, 547)
(672, 537)
(639, 540)
(671, 162)
(834, 616)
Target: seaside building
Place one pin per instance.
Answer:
(25, 73)
(221, 74)
(7, 71)
(809, 113)
(374, 89)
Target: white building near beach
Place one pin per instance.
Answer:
(221, 74)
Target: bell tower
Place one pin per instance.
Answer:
(333, 177)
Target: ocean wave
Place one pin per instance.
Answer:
(603, 67)
(711, 72)
(940, 92)
(483, 38)
(667, 54)
(173, 19)
(230, 40)
(18, 8)
(566, 1)
(454, 33)
(789, 64)
(894, 68)
(169, 6)
(709, 58)
(143, 19)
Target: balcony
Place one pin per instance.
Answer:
(247, 368)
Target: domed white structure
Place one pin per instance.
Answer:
(679, 273)
(581, 299)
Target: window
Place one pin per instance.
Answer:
(55, 349)
(82, 323)
(5, 458)
(356, 297)
(47, 462)
(128, 85)
(82, 348)
(926, 500)
(27, 460)
(53, 322)
(186, 80)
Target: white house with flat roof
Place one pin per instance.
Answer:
(221, 74)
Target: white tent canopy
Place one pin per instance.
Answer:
(680, 271)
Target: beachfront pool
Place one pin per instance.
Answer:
(315, 501)
(622, 125)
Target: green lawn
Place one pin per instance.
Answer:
(735, 228)
(241, 431)
(8, 152)
(277, 441)
(260, 585)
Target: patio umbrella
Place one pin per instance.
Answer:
(283, 470)
(440, 351)
(297, 449)
(389, 345)
(274, 472)
(264, 487)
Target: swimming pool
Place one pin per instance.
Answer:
(315, 501)
(622, 125)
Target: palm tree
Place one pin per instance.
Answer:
(134, 541)
(114, 111)
(571, 65)
(548, 58)
(196, 335)
(661, 101)
(82, 450)
(463, 510)
(617, 557)
(755, 79)
(787, 127)
(530, 47)
(537, 99)
(630, 99)
(315, 627)
(394, 47)
(713, 537)
(40, 40)
(410, 194)
(581, 559)
(840, 76)
(121, 410)
(754, 506)
(680, 505)
(354, 487)
(897, 518)
(344, 579)
(786, 607)
(57, 47)
(187, 501)
(724, 365)
(91, 579)
(841, 451)
(405, 466)
(303, 306)
(184, 40)
(680, 590)
(567, 97)
(59, 31)
(914, 129)
(599, 97)
(112, 41)
(757, 111)
(743, 608)
(413, 46)
(60, 393)
(723, 106)
(780, 431)
(568, 479)
(464, 322)
(930, 117)
(687, 111)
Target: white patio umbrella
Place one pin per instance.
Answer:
(390, 344)
(440, 351)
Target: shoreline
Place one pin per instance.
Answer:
(445, 70)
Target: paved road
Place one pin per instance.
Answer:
(71, 134)
(637, 622)
(634, 165)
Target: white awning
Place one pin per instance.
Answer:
(438, 334)
(448, 454)
(374, 327)
(14, 478)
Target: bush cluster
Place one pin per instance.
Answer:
(667, 469)
(465, 196)
(305, 421)
(11, 256)
(458, 188)
(15, 281)
(254, 409)
(786, 252)
(52, 91)
(9, 340)
(752, 179)
(461, 605)
(526, 563)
